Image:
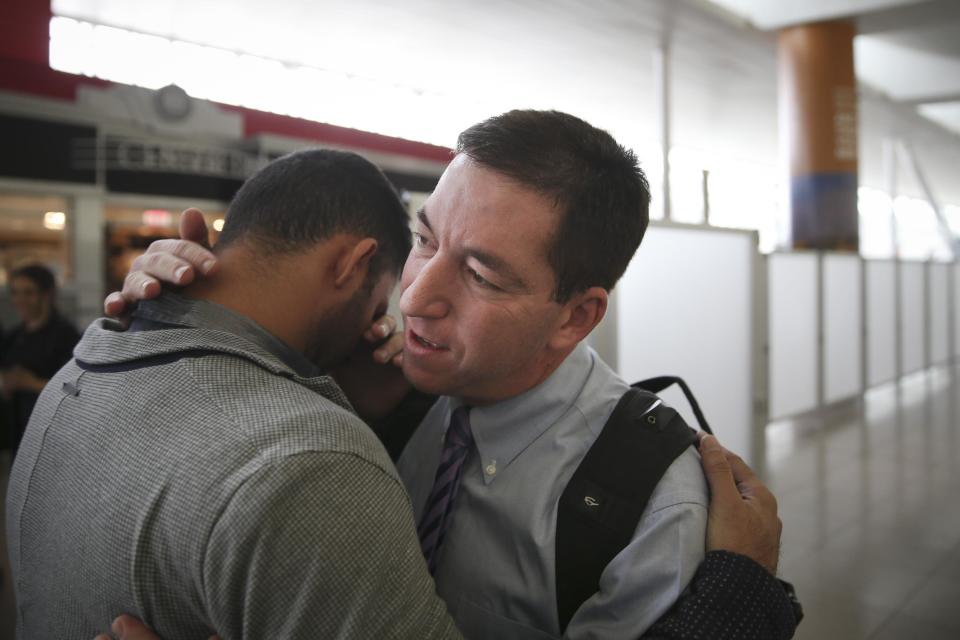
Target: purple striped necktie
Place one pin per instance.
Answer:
(437, 514)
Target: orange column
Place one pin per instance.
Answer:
(818, 128)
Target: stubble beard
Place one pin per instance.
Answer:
(336, 332)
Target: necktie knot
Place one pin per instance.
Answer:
(459, 434)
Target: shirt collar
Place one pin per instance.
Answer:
(171, 309)
(503, 430)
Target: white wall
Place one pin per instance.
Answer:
(881, 321)
(939, 299)
(792, 304)
(956, 309)
(685, 307)
(912, 312)
(843, 327)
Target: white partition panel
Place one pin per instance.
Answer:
(912, 311)
(956, 308)
(792, 304)
(684, 307)
(939, 298)
(881, 321)
(842, 325)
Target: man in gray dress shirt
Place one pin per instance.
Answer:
(514, 254)
(529, 228)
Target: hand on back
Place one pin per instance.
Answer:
(176, 262)
(743, 512)
(129, 628)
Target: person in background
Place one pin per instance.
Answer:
(34, 350)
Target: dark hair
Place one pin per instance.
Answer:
(599, 190)
(305, 197)
(38, 274)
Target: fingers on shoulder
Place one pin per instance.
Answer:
(166, 267)
(114, 304)
(744, 476)
(137, 285)
(713, 456)
(194, 254)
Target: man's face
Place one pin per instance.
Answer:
(477, 289)
(338, 331)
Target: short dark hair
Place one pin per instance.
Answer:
(38, 274)
(596, 184)
(305, 197)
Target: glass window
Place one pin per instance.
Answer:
(34, 229)
(876, 230)
(746, 196)
(686, 185)
(918, 230)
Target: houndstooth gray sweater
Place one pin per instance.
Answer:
(209, 492)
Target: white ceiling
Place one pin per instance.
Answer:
(594, 58)
(776, 14)
(907, 49)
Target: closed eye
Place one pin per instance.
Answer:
(480, 280)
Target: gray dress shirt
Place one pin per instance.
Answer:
(496, 565)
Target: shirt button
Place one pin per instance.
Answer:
(491, 469)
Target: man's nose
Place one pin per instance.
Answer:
(428, 296)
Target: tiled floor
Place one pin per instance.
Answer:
(869, 496)
(870, 500)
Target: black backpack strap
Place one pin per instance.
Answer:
(601, 506)
(656, 385)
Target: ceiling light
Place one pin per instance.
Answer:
(55, 220)
(157, 218)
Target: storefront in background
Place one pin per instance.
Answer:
(85, 191)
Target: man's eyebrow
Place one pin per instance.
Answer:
(499, 265)
(422, 217)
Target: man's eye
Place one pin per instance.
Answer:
(420, 241)
(479, 279)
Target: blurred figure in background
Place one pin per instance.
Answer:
(32, 351)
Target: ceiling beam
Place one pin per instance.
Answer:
(912, 16)
(870, 16)
(770, 16)
(940, 98)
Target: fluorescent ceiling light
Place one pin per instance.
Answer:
(55, 220)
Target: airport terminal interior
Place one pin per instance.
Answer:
(803, 158)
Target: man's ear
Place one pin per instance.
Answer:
(354, 262)
(581, 314)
